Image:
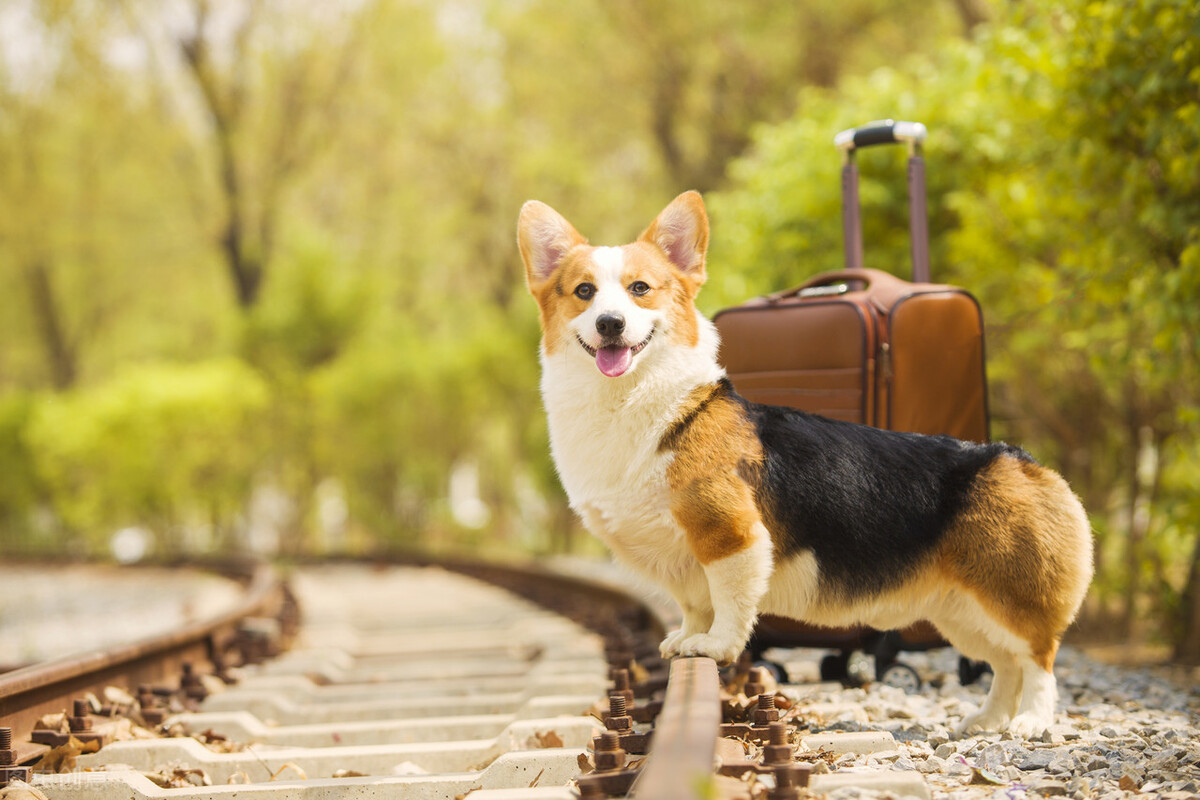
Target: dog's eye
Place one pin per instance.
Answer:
(639, 288)
(584, 291)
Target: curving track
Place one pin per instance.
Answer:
(422, 681)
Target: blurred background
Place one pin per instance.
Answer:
(259, 289)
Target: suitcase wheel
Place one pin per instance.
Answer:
(900, 676)
(836, 667)
(970, 671)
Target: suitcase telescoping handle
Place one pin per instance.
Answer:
(885, 132)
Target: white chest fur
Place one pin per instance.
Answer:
(604, 436)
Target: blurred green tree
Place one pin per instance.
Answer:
(86, 220)
(267, 85)
(174, 447)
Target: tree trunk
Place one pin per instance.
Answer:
(1187, 645)
(972, 14)
(60, 352)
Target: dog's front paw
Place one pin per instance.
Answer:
(720, 650)
(670, 645)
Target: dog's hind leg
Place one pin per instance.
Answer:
(1039, 695)
(736, 584)
(1004, 697)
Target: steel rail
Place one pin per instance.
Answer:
(28, 693)
(681, 759)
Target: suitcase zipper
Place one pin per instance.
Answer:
(885, 361)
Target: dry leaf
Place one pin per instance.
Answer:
(585, 764)
(538, 778)
(119, 729)
(20, 790)
(62, 758)
(191, 777)
(598, 709)
(114, 695)
(179, 778)
(347, 773)
(548, 739)
(487, 762)
(292, 767)
(983, 777)
(218, 743)
(54, 722)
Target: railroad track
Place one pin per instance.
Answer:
(418, 681)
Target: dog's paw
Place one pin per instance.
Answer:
(670, 644)
(1028, 726)
(720, 650)
(983, 722)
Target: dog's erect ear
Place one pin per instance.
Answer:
(681, 232)
(544, 237)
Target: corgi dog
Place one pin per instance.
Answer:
(737, 508)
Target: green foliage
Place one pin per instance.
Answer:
(171, 446)
(19, 490)
(392, 422)
(311, 313)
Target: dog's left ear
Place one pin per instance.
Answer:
(681, 232)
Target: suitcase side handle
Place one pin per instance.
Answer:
(884, 131)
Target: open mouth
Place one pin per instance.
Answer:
(614, 359)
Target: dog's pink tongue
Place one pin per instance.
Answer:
(613, 361)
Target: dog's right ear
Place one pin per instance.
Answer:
(545, 238)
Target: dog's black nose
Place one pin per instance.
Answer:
(610, 325)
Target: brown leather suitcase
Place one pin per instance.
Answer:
(865, 346)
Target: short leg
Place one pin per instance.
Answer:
(691, 593)
(695, 620)
(736, 584)
(1039, 694)
(1002, 698)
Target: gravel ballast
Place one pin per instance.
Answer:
(1118, 733)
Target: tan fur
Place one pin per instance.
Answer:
(713, 444)
(556, 306)
(1012, 548)
(542, 229)
(644, 261)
